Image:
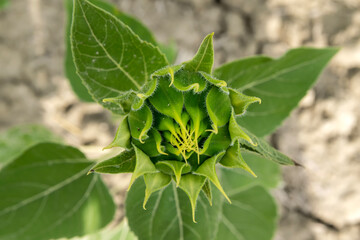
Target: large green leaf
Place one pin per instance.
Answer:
(109, 57)
(252, 214)
(46, 194)
(280, 83)
(17, 139)
(135, 25)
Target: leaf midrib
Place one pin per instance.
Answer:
(265, 79)
(44, 193)
(103, 48)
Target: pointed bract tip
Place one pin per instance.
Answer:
(146, 198)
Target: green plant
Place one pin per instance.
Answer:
(178, 122)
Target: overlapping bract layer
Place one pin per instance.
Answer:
(180, 124)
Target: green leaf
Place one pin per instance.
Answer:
(207, 191)
(204, 58)
(241, 102)
(109, 57)
(45, 194)
(219, 108)
(152, 145)
(143, 166)
(135, 25)
(122, 137)
(268, 174)
(218, 83)
(70, 70)
(154, 182)
(216, 143)
(140, 122)
(17, 139)
(192, 185)
(233, 159)
(167, 100)
(280, 83)
(261, 147)
(207, 169)
(175, 168)
(146, 91)
(185, 80)
(236, 133)
(122, 163)
(168, 214)
(251, 216)
(122, 103)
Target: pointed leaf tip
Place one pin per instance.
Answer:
(143, 166)
(154, 182)
(207, 169)
(204, 58)
(175, 168)
(234, 159)
(192, 185)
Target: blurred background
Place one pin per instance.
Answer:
(319, 201)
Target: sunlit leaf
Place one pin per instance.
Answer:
(46, 194)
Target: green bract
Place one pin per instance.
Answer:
(181, 123)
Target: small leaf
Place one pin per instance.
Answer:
(154, 182)
(236, 133)
(140, 123)
(268, 173)
(207, 169)
(264, 149)
(122, 163)
(192, 185)
(233, 159)
(165, 72)
(185, 80)
(241, 102)
(45, 194)
(167, 100)
(122, 137)
(166, 124)
(204, 58)
(216, 143)
(219, 108)
(173, 168)
(280, 83)
(122, 103)
(143, 166)
(207, 191)
(146, 91)
(152, 145)
(218, 83)
(117, 59)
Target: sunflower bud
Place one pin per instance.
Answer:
(181, 124)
